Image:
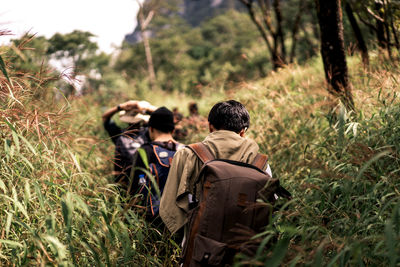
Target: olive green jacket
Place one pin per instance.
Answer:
(186, 166)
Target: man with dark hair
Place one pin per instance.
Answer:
(156, 160)
(228, 122)
(230, 115)
(193, 109)
(194, 123)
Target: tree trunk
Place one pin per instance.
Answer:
(329, 14)
(380, 27)
(314, 25)
(267, 30)
(279, 32)
(275, 57)
(394, 30)
(150, 67)
(312, 49)
(357, 33)
(384, 15)
(295, 29)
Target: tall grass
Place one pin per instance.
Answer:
(59, 207)
(342, 168)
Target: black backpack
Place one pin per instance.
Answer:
(159, 170)
(126, 146)
(227, 203)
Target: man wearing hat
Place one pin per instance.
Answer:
(156, 160)
(127, 140)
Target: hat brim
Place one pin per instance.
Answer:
(127, 118)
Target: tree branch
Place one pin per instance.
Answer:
(249, 5)
(295, 29)
(370, 25)
(279, 31)
(266, 16)
(148, 19)
(374, 15)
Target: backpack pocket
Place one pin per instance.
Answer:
(208, 251)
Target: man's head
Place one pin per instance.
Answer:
(193, 109)
(229, 115)
(162, 121)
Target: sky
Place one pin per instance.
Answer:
(109, 20)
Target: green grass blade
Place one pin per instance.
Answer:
(372, 160)
(3, 186)
(3, 69)
(11, 243)
(8, 222)
(391, 243)
(143, 155)
(278, 253)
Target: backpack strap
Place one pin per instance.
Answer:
(165, 161)
(202, 151)
(204, 154)
(260, 161)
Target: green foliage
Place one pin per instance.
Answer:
(3, 68)
(29, 68)
(73, 45)
(342, 168)
(57, 205)
(29, 53)
(78, 47)
(218, 51)
(227, 47)
(370, 12)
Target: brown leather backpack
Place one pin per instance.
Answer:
(227, 214)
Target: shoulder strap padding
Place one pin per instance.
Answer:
(260, 161)
(202, 151)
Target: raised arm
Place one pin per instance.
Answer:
(140, 106)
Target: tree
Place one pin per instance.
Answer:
(329, 14)
(78, 50)
(75, 46)
(223, 49)
(144, 21)
(271, 26)
(357, 33)
(381, 16)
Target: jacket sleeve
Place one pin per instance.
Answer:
(112, 129)
(174, 201)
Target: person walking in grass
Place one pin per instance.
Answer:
(127, 140)
(152, 161)
(227, 122)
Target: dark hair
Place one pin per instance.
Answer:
(229, 115)
(193, 109)
(162, 119)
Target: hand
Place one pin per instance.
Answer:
(129, 105)
(145, 106)
(140, 106)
